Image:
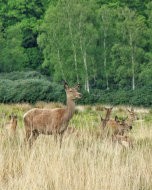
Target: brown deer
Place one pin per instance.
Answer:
(117, 127)
(51, 121)
(132, 116)
(107, 117)
(11, 125)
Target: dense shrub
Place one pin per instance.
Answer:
(30, 90)
(16, 75)
(32, 86)
(139, 97)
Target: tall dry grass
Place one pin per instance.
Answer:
(84, 162)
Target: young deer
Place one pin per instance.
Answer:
(51, 121)
(11, 125)
(117, 127)
(107, 117)
(132, 116)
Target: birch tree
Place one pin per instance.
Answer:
(129, 43)
(105, 16)
(69, 29)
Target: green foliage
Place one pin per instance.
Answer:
(104, 45)
(16, 75)
(30, 90)
(120, 97)
(29, 87)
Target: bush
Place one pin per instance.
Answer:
(32, 87)
(30, 90)
(17, 75)
(139, 97)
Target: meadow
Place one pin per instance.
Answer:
(84, 162)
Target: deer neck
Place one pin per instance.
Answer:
(107, 116)
(14, 125)
(69, 109)
(130, 120)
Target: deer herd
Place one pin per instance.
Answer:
(55, 122)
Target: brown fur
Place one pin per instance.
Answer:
(11, 125)
(107, 117)
(132, 116)
(50, 121)
(117, 127)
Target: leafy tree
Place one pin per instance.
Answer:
(106, 30)
(145, 75)
(12, 54)
(129, 47)
(24, 16)
(68, 29)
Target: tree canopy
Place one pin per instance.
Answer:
(103, 45)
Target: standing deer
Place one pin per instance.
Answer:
(107, 117)
(132, 116)
(11, 125)
(51, 121)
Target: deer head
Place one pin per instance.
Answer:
(107, 117)
(132, 114)
(13, 117)
(72, 93)
(108, 112)
(123, 126)
(108, 109)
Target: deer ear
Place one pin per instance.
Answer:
(66, 85)
(77, 86)
(116, 118)
(128, 110)
(101, 118)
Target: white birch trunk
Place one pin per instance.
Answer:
(132, 62)
(105, 56)
(87, 88)
(84, 56)
(74, 52)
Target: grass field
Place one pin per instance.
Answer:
(84, 162)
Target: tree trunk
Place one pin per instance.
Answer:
(105, 56)
(86, 72)
(132, 62)
(74, 52)
(84, 56)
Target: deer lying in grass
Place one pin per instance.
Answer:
(11, 125)
(107, 117)
(51, 121)
(116, 127)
